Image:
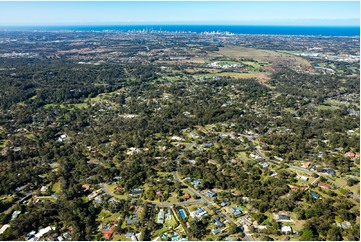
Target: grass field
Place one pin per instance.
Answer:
(355, 189)
(335, 103)
(4, 143)
(223, 63)
(298, 225)
(259, 55)
(257, 75)
(110, 189)
(56, 187)
(340, 182)
(173, 198)
(106, 216)
(253, 64)
(289, 110)
(328, 108)
(120, 237)
(243, 156)
(30, 136)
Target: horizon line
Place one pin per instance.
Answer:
(177, 23)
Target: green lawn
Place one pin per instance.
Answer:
(56, 187)
(173, 198)
(355, 189)
(119, 237)
(30, 136)
(253, 64)
(4, 143)
(328, 108)
(243, 156)
(110, 189)
(340, 182)
(164, 174)
(258, 75)
(332, 102)
(298, 225)
(80, 105)
(166, 226)
(106, 216)
(289, 110)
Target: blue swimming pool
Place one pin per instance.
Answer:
(182, 213)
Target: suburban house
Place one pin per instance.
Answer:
(216, 231)
(15, 215)
(235, 211)
(218, 222)
(314, 195)
(295, 188)
(161, 217)
(200, 212)
(132, 219)
(86, 187)
(5, 227)
(264, 164)
(185, 196)
(344, 225)
(43, 189)
(329, 171)
(136, 192)
(323, 185)
(286, 229)
(283, 217)
(108, 232)
(307, 165)
(159, 194)
(129, 235)
(196, 183)
(350, 154)
(211, 194)
(223, 204)
(303, 178)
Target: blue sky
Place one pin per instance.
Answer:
(265, 13)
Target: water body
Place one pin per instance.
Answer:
(269, 30)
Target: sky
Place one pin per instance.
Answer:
(262, 13)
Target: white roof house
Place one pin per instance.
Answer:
(161, 217)
(4, 227)
(286, 229)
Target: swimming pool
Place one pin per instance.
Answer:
(182, 213)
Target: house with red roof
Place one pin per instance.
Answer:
(108, 232)
(323, 185)
(350, 154)
(185, 196)
(86, 187)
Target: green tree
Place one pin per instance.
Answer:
(307, 235)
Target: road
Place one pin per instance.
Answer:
(258, 152)
(209, 203)
(27, 196)
(296, 168)
(204, 199)
(169, 205)
(162, 204)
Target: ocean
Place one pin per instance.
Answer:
(269, 30)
